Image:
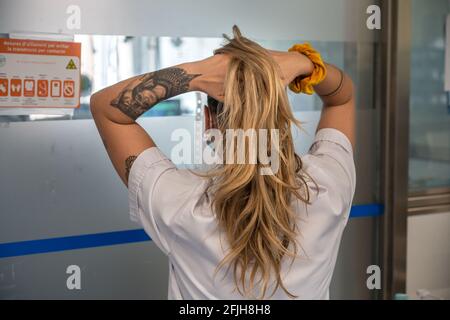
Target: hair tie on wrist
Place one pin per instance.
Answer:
(304, 84)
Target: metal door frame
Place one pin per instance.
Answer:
(395, 47)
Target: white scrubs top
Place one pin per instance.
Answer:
(171, 206)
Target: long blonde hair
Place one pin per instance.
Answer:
(252, 209)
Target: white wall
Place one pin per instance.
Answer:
(428, 254)
(326, 20)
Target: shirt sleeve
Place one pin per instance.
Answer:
(333, 154)
(157, 193)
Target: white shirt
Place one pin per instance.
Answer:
(170, 205)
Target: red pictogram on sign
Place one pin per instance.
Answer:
(16, 88)
(69, 88)
(3, 87)
(29, 88)
(55, 88)
(42, 88)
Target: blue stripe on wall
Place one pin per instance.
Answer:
(22, 248)
(366, 210)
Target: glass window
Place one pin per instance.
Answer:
(109, 59)
(429, 163)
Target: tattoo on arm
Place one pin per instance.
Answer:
(143, 93)
(128, 163)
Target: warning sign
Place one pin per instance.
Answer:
(37, 73)
(71, 65)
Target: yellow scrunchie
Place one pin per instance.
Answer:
(304, 84)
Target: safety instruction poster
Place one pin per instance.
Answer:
(39, 74)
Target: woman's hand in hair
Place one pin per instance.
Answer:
(292, 64)
(213, 71)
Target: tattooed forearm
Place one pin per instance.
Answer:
(128, 163)
(143, 93)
